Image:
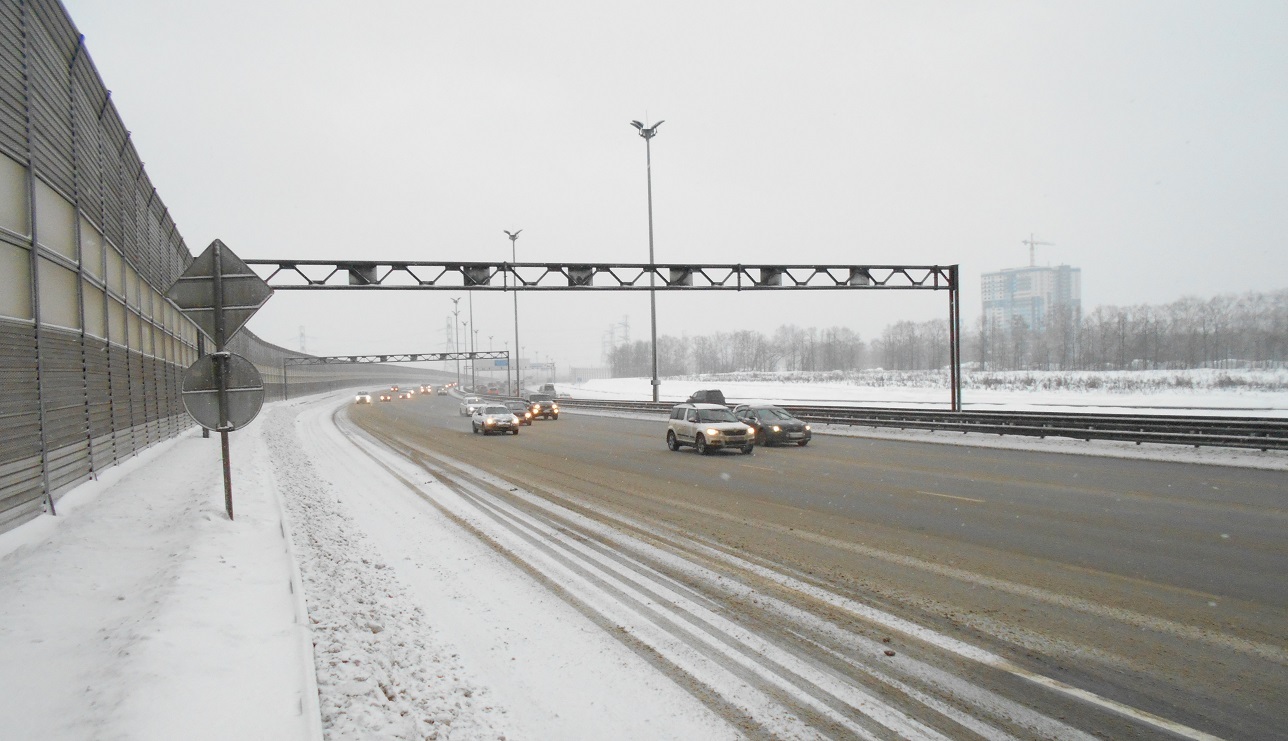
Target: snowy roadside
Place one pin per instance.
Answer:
(383, 671)
(550, 672)
(142, 612)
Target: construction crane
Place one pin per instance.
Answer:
(1031, 242)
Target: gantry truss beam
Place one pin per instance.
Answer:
(403, 358)
(285, 275)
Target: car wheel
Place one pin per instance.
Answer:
(671, 442)
(761, 438)
(701, 445)
(516, 430)
(555, 417)
(802, 443)
(476, 428)
(746, 449)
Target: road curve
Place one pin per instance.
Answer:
(874, 589)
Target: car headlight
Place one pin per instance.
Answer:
(490, 421)
(713, 432)
(776, 428)
(807, 428)
(751, 430)
(554, 406)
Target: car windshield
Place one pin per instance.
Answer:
(496, 410)
(516, 405)
(716, 415)
(775, 413)
(540, 397)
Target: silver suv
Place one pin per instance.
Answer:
(707, 427)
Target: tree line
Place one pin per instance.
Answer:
(1249, 330)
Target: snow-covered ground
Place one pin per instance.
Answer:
(142, 612)
(1238, 393)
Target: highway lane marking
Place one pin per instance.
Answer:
(762, 468)
(948, 496)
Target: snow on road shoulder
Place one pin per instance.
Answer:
(556, 673)
(142, 612)
(382, 670)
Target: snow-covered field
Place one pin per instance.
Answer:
(1240, 393)
(142, 612)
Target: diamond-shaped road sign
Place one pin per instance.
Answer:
(242, 295)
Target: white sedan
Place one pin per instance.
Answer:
(491, 418)
(469, 405)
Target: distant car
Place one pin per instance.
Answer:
(442, 391)
(387, 396)
(363, 397)
(773, 425)
(544, 406)
(393, 389)
(406, 395)
(707, 427)
(521, 410)
(707, 396)
(469, 405)
(489, 418)
(427, 389)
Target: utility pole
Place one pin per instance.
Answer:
(518, 386)
(648, 132)
(456, 344)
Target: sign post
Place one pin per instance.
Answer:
(222, 391)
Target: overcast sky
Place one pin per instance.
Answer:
(1147, 140)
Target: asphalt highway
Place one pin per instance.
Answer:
(1120, 598)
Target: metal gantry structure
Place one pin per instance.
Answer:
(402, 275)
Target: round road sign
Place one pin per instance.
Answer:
(242, 383)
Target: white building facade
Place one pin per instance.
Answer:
(1031, 294)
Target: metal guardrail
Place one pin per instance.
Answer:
(1259, 433)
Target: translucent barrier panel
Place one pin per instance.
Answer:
(91, 244)
(55, 221)
(15, 281)
(116, 321)
(15, 213)
(131, 288)
(115, 266)
(95, 316)
(135, 330)
(59, 304)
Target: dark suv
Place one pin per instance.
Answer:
(543, 405)
(706, 396)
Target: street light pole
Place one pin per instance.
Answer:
(474, 362)
(518, 385)
(469, 341)
(648, 132)
(456, 343)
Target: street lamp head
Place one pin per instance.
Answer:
(647, 132)
(512, 235)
